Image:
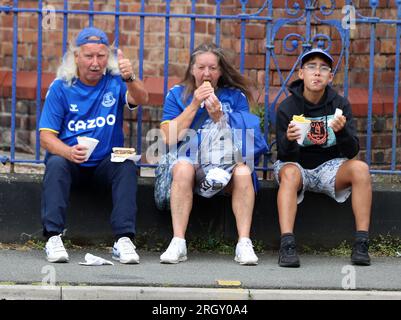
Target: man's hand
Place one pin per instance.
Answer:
(77, 153)
(124, 65)
(137, 93)
(338, 123)
(50, 141)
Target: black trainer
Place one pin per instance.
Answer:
(288, 256)
(360, 254)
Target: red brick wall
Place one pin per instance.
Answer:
(205, 31)
(179, 55)
(26, 136)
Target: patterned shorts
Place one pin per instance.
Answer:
(320, 179)
(197, 182)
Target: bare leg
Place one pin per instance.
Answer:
(290, 182)
(243, 199)
(181, 196)
(356, 174)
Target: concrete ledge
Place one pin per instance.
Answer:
(321, 222)
(152, 293)
(30, 292)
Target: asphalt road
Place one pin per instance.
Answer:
(202, 270)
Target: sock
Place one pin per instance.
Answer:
(179, 239)
(243, 239)
(50, 234)
(362, 235)
(287, 237)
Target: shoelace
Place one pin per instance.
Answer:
(174, 246)
(361, 246)
(247, 247)
(57, 243)
(127, 246)
(290, 249)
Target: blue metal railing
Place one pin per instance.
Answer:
(39, 81)
(308, 14)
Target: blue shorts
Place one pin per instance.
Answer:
(320, 179)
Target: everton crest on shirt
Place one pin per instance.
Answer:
(320, 133)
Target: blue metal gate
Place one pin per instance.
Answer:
(309, 14)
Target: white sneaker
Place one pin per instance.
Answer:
(244, 253)
(124, 251)
(176, 251)
(55, 250)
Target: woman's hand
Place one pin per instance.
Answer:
(202, 93)
(213, 107)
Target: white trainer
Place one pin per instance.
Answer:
(176, 251)
(244, 253)
(55, 250)
(124, 251)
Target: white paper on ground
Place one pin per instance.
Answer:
(134, 157)
(91, 260)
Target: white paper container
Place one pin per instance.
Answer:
(304, 126)
(133, 157)
(88, 142)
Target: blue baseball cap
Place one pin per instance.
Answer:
(86, 33)
(317, 52)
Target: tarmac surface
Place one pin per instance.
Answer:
(28, 275)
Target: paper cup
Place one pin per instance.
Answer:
(88, 142)
(304, 126)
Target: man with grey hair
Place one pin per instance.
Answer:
(87, 99)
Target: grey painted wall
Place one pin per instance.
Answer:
(321, 222)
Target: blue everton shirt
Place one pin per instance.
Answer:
(232, 99)
(82, 110)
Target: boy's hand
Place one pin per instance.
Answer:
(338, 123)
(293, 132)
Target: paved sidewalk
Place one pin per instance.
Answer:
(27, 275)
